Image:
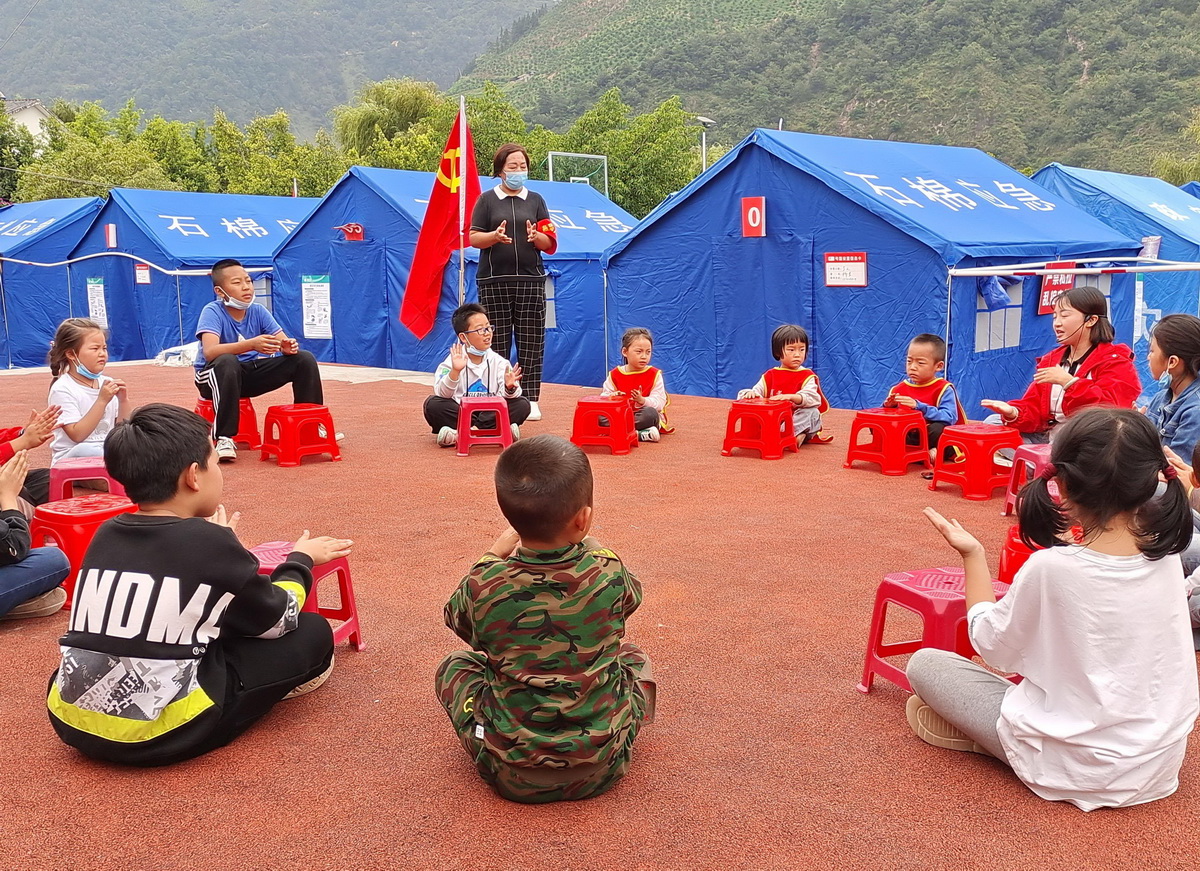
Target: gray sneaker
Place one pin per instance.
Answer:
(516, 431)
(226, 449)
(447, 437)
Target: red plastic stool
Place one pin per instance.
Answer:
(80, 469)
(615, 432)
(888, 445)
(1013, 555)
(763, 425)
(500, 434)
(69, 525)
(1028, 462)
(247, 432)
(939, 596)
(270, 554)
(976, 471)
(294, 431)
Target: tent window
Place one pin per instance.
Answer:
(262, 291)
(551, 318)
(999, 328)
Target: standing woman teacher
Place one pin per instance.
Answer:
(512, 228)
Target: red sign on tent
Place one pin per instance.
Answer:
(1054, 284)
(754, 216)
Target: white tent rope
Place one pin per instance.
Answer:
(1140, 264)
(154, 266)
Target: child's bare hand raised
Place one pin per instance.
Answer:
(12, 479)
(506, 544)
(512, 377)
(458, 358)
(39, 429)
(221, 518)
(951, 530)
(636, 397)
(323, 548)
(906, 401)
(110, 389)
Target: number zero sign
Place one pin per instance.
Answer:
(754, 216)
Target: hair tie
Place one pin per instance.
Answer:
(1049, 472)
(1170, 473)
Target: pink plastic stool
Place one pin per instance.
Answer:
(80, 469)
(763, 425)
(1028, 463)
(69, 525)
(604, 421)
(247, 433)
(294, 431)
(888, 445)
(270, 554)
(500, 434)
(939, 596)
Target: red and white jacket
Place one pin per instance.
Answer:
(1106, 377)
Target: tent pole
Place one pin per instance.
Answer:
(949, 297)
(4, 310)
(604, 318)
(179, 309)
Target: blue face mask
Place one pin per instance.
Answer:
(83, 372)
(514, 181)
(1165, 381)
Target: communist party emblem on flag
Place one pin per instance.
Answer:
(446, 227)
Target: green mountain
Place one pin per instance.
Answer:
(1101, 83)
(248, 57)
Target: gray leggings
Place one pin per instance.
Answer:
(965, 694)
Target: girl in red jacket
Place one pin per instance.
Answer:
(1088, 368)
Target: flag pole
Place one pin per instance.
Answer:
(462, 196)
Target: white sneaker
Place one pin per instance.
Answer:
(447, 437)
(535, 413)
(516, 431)
(323, 433)
(649, 435)
(226, 449)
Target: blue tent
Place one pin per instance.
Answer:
(146, 258)
(1192, 187)
(1140, 207)
(860, 238)
(35, 299)
(365, 280)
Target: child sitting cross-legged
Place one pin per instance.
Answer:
(473, 369)
(550, 698)
(642, 384)
(176, 644)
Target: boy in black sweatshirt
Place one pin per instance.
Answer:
(176, 643)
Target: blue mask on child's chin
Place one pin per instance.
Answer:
(83, 372)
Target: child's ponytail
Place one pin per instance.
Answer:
(1041, 520)
(1164, 524)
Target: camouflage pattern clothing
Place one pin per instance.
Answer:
(550, 706)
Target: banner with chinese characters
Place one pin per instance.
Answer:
(97, 311)
(1054, 285)
(314, 296)
(846, 269)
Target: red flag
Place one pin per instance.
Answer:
(442, 231)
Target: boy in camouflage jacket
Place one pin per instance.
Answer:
(550, 699)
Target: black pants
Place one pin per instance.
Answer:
(934, 428)
(518, 307)
(259, 673)
(225, 380)
(440, 412)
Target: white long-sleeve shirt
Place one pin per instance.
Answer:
(482, 377)
(1109, 694)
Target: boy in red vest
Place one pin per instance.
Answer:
(925, 390)
(791, 381)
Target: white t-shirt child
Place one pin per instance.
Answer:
(76, 401)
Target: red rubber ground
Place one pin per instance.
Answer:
(759, 579)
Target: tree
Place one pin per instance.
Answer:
(83, 167)
(383, 110)
(16, 151)
(1179, 170)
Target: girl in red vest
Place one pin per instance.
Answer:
(791, 381)
(642, 383)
